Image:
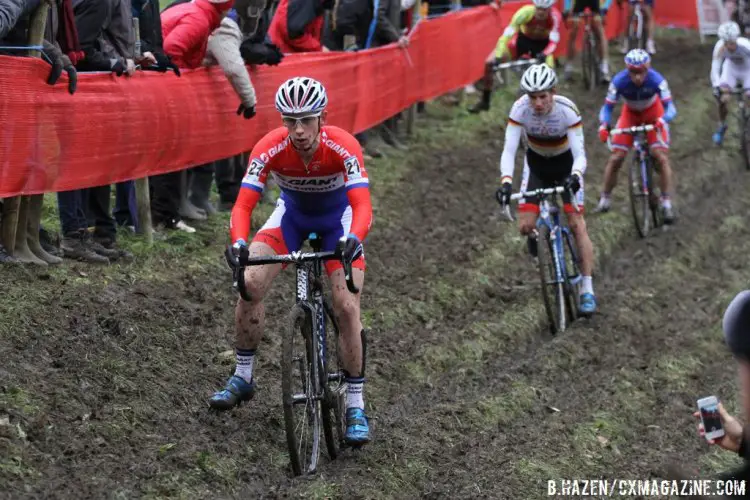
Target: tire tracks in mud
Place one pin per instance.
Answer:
(406, 436)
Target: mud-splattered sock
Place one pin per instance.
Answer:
(666, 201)
(354, 392)
(244, 368)
(587, 285)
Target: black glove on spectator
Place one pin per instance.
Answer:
(247, 112)
(260, 53)
(118, 67)
(57, 69)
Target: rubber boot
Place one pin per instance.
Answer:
(200, 188)
(22, 252)
(187, 209)
(10, 223)
(32, 237)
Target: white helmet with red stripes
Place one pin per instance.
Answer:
(301, 96)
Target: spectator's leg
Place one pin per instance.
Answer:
(489, 74)
(165, 202)
(99, 215)
(200, 188)
(187, 209)
(36, 203)
(22, 252)
(226, 183)
(10, 225)
(126, 211)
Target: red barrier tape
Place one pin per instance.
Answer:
(115, 129)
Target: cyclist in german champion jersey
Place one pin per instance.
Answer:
(324, 189)
(574, 8)
(646, 95)
(730, 66)
(556, 155)
(534, 32)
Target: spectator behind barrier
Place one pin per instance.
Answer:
(736, 325)
(186, 28)
(298, 26)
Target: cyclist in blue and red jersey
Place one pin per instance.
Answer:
(325, 190)
(648, 100)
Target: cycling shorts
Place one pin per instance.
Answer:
(650, 3)
(580, 5)
(521, 45)
(542, 172)
(731, 75)
(630, 118)
(287, 228)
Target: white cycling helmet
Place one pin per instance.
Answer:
(301, 96)
(538, 78)
(729, 31)
(544, 4)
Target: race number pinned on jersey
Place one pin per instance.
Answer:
(254, 169)
(353, 170)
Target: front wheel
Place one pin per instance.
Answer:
(639, 180)
(334, 386)
(300, 388)
(553, 288)
(745, 137)
(587, 58)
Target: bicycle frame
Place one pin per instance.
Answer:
(549, 215)
(637, 16)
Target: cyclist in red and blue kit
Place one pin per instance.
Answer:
(648, 100)
(325, 190)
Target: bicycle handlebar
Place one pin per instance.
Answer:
(632, 130)
(513, 64)
(244, 260)
(535, 192)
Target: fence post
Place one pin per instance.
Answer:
(142, 195)
(411, 113)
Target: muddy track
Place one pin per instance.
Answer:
(120, 399)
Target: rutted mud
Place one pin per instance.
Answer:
(110, 387)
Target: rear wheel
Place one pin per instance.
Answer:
(553, 292)
(640, 195)
(299, 387)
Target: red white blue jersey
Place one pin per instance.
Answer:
(637, 98)
(334, 179)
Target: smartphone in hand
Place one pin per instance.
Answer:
(709, 410)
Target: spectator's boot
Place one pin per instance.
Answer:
(390, 138)
(22, 252)
(5, 257)
(200, 189)
(50, 244)
(188, 210)
(483, 104)
(34, 220)
(10, 223)
(107, 248)
(74, 246)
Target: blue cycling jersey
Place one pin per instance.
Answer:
(638, 98)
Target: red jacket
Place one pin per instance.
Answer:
(298, 29)
(186, 28)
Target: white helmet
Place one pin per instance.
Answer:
(544, 4)
(729, 31)
(538, 78)
(301, 95)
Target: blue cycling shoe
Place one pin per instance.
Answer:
(718, 136)
(234, 393)
(357, 429)
(588, 304)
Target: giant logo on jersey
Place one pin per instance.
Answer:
(322, 184)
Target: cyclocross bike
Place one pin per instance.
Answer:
(591, 62)
(559, 266)
(644, 199)
(312, 381)
(502, 69)
(743, 125)
(636, 40)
